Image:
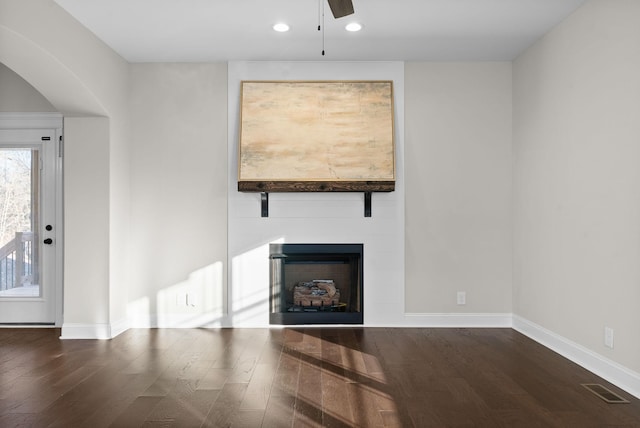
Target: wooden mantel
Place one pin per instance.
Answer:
(316, 186)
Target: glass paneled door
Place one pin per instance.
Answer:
(27, 228)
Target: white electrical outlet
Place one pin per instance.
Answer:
(191, 299)
(181, 299)
(608, 337)
(462, 298)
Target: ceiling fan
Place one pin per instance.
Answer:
(341, 8)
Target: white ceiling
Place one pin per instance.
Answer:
(223, 30)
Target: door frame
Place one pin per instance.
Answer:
(30, 121)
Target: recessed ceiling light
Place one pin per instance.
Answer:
(281, 27)
(353, 26)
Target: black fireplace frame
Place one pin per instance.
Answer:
(283, 253)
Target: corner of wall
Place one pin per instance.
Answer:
(611, 371)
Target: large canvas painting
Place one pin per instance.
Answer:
(316, 135)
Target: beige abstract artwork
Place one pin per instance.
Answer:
(316, 131)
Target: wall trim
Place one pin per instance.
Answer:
(85, 331)
(30, 120)
(622, 377)
(94, 331)
(119, 327)
(187, 320)
(456, 320)
(411, 320)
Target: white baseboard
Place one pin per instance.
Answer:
(93, 331)
(611, 371)
(119, 327)
(179, 321)
(85, 331)
(452, 320)
(409, 320)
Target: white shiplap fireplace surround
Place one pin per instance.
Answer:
(315, 217)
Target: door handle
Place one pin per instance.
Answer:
(48, 241)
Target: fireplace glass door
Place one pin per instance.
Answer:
(316, 284)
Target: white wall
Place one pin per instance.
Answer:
(178, 238)
(458, 197)
(315, 217)
(577, 180)
(16, 95)
(86, 231)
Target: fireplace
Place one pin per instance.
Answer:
(315, 284)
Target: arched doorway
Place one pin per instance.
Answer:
(79, 76)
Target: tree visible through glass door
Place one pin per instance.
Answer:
(19, 203)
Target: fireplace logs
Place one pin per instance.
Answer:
(316, 293)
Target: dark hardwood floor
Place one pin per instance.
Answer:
(297, 377)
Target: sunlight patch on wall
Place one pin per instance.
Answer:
(249, 294)
(198, 301)
(139, 313)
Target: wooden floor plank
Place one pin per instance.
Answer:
(297, 377)
(280, 411)
(226, 406)
(308, 404)
(136, 413)
(258, 388)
